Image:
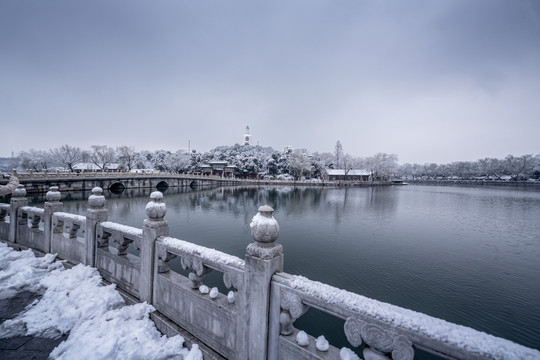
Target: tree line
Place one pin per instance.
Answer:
(511, 168)
(269, 163)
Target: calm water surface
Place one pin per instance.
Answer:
(468, 255)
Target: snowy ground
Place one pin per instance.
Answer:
(99, 323)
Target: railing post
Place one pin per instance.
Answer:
(51, 206)
(154, 227)
(96, 213)
(263, 259)
(17, 200)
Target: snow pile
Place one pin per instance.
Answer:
(22, 271)
(124, 333)
(214, 293)
(261, 220)
(99, 323)
(322, 344)
(440, 330)
(204, 253)
(347, 354)
(71, 296)
(302, 338)
(231, 297)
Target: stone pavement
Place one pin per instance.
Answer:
(23, 347)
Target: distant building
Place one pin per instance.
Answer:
(247, 136)
(218, 168)
(353, 174)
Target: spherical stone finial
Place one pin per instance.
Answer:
(53, 194)
(96, 200)
(19, 192)
(156, 208)
(264, 228)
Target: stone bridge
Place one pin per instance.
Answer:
(117, 182)
(255, 319)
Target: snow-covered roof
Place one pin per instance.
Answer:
(352, 172)
(85, 166)
(92, 166)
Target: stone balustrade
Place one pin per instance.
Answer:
(255, 319)
(5, 210)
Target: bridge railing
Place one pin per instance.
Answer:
(254, 320)
(385, 330)
(31, 175)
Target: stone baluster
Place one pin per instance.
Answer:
(51, 206)
(154, 227)
(263, 258)
(17, 200)
(96, 213)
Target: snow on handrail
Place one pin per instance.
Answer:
(429, 332)
(209, 256)
(32, 210)
(72, 217)
(124, 229)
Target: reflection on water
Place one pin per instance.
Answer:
(468, 255)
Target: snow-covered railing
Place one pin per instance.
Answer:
(29, 232)
(255, 319)
(68, 236)
(384, 329)
(115, 263)
(213, 317)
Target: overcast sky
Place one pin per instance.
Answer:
(431, 81)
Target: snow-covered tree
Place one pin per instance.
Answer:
(178, 162)
(67, 156)
(126, 156)
(35, 160)
(518, 167)
(102, 156)
(382, 166)
(299, 165)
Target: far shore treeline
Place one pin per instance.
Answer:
(266, 162)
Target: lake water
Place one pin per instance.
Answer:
(469, 255)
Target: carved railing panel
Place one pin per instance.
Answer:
(68, 236)
(113, 260)
(30, 216)
(4, 212)
(213, 317)
(4, 220)
(200, 261)
(29, 232)
(121, 235)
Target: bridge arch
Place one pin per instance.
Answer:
(117, 187)
(162, 186)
